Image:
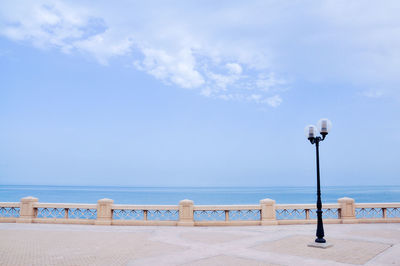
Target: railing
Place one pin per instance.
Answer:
(226, 215)
(9, 211)
(372, 211)
(64, 213)
(145, 214)
(105, 212)
(306, 213)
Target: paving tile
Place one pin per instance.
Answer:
(389, 234)
(77, 248)
(344, 251)
(211, 237)
(52, 244)
(223, 260)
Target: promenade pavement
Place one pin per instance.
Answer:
(52, 244)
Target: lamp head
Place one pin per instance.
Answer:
(324, 126)
(310, 131)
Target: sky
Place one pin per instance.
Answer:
(198, 93)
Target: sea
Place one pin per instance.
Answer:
(200, 195)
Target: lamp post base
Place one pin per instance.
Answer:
(320, 245)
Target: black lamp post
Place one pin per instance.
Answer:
(324, 125)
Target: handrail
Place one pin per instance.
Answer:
(65, 205)
(225, 207)
(144, 207)
(378, 205)
(10, 204)
(306, 206)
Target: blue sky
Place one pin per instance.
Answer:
(167, 93)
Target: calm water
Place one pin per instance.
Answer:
(203, 195)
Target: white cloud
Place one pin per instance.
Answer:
(222, 81)
(255, 97)
(43, 24)
(234, 68)
(178, 68)
(173, 47)
(269, 82)
(104, 46)
(373, 93)
(273, 101)
(240, 51)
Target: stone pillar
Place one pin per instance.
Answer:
(347, 210)
(26, 211)
(104, 212)
(186, 213)
(268, 215)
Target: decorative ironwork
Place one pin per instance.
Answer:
(291, 214)
(369, 213)
(245, 215)
(128, 214)
(328, 213)
(78, 213)
(50, 213)
(393, 212)
(72, 213)
(9, 211)
(163, 215)
(212, 215)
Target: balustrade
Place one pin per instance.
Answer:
(105, 212)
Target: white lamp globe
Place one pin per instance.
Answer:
(324, 125)
(310, 131)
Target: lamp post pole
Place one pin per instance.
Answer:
(320, 225)
(324, 126)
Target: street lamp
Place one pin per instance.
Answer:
(324, 126)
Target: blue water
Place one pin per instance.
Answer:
(200, 195)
